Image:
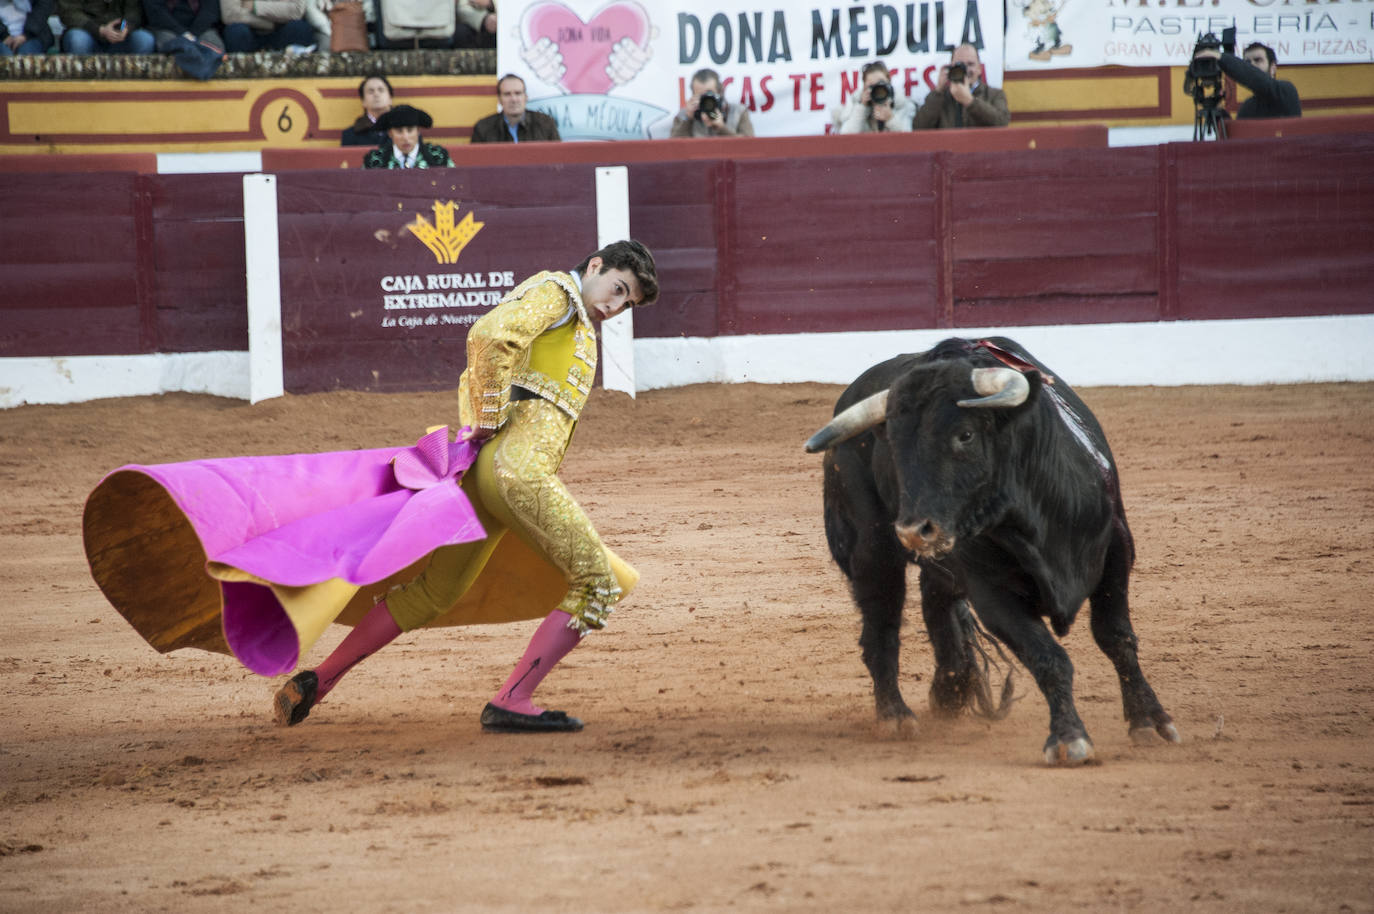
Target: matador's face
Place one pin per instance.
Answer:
(607, 294)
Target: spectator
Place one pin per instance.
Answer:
(878, 109)
(476, 25)
(1257, 72)
(24, 27)
(962, 99)
(708, 114)
(266, 25)
(191, 20)
(514, 123)
(404, 147)
(104, 27)
(376, 94)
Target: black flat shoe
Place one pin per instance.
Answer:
(294, 700)
(499, 720)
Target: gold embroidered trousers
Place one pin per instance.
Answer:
(513, 487)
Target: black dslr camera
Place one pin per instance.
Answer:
(1203, 81)
(957, 73)
(708, 106)
(880, 93)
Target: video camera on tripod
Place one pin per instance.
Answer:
(1203, 81)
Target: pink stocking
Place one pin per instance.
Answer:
(551, 643)
(376, 630)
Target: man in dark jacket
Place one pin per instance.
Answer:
(404, 147)
(24, 27)
(104, 27)
(1272, 97)
(962, 98)
(377, 98)
(513, 123)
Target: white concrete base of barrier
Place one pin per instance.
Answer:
(76, 379)
(1278, 351)
(1275, 351)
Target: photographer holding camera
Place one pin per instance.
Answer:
(961, 99)
(1271, 97)
(878, 108)
(708, 114)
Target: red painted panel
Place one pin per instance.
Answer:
(1040, 310)
(1267, 127)
(349, 259)
(69, 267)
(77, 328)
(105, 194)
(98, 236)
(841, 236)
(48, 163)
(1102, 274)
(474, 155)
(1284, 227)
(403, 364)
(673, 211)
(199, 291)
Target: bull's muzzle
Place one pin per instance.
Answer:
(924, 537)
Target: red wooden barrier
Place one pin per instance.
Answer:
(482, 154)
(1269, 127)
(918, 238)
(141, 162)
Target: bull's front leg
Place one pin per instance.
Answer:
(957, 681)
(1016, 626)
(879, 586)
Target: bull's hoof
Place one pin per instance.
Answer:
(900, 727)
(1154, 735)
(1074, 752)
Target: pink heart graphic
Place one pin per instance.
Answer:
(586, 46)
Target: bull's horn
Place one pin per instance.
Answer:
(1000, 387)
(860, 417)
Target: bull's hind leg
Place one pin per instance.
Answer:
(879, 586)
(1111, 625)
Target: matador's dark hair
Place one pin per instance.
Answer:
(628, 255)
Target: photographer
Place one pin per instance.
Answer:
(878, 108)
(961, 99)
(1257, 71)
(708, 114)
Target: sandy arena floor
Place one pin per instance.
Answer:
(730, 760)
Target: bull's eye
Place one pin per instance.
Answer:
(964, 437)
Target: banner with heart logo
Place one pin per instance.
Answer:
(622, 69)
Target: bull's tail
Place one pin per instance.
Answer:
(987, 666)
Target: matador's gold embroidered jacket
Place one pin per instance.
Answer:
(513, 344)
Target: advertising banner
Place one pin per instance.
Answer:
(1061, 34)
(622, 69)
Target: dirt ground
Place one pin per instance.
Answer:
(730, 759)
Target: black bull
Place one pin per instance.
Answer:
(974, 460)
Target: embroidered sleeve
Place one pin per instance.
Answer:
(499, 343)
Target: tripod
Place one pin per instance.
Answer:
(1210, 119)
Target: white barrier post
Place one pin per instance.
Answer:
(263, 268)
(613, 224)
